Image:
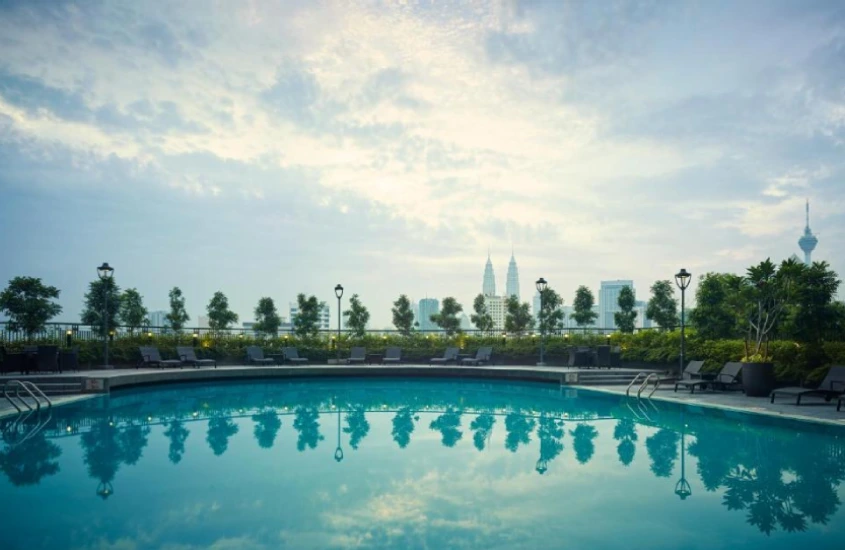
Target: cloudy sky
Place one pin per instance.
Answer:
(269, 148)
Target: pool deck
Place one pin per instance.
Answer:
(98, 382)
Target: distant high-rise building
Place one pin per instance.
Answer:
(496, 308)
(569, 322)
(512, 284)
(158, 319)
(641, 321)
(609, 301)
(325, 320)
(488, 288)
(808, 241)
(427, 308)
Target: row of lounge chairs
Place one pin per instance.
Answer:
(832, 387)
(150, 357)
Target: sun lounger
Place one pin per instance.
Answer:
(255, 356)
(357, 355)
(449, 356)
(832, 386)
(727, 379)
(150, 357)
(189, 357)
(483, 355)
(292, 356)
(392, 355)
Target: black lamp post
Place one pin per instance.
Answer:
(338, 291)
(682, 488)
(682, 279)
(105, 273)
(338, 452)
(541, 288)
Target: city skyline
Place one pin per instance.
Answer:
(272, 148)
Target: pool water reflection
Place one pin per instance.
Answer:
(414, 464)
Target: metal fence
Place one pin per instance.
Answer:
(59, 332)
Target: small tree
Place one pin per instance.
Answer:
(714, 316)
(306, 322)
(403, 317)
(482, 319)
(448, 319)
(518, 317)
(626, 315)
(178, 316)
(28, 303)
(267, 319)
(94, 308)
(583, 307)
(662, 307)
(133, 314)
(766, 292)
(550, 318)
(219, 314)
(356, 316)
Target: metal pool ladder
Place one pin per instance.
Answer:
(652, 377)
(31, 389)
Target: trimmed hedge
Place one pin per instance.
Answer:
(653, 348)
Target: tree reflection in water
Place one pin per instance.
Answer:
(267, 425)
(583, 436)
(356, 426)
(177, 433)
(30, 461)
(133, 440)
(662, 449)
(447, 424)
(549, 433)
(518, 428)
(625, 433)
(481, 427)
(307, 422)
(102, 452)
(220, 429)
(403, 427)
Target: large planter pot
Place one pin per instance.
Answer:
(758, 379)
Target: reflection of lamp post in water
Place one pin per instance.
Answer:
(105, 490)
(541, 466)
(338, 453)
(682, 488)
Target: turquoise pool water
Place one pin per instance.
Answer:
(382, 463)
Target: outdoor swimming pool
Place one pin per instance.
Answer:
(384, 463)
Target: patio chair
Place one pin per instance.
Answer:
(150, 357)
(603, 356)
(255, 356)
(580, 356)
(449, 356)
(69, 359)
(357, 355)
(48, 359)
(483, 355)
(726, 379)
(292, 356)
(14, 362)
(392, 355)
(189, 357)
(832, 386)
(616, 356)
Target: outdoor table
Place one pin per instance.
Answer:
(462, 356)
(279, 358)
(374, 358)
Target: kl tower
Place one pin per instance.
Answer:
(808, 241)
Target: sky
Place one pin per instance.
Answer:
(270, 148)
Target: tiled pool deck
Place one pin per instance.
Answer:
(99, 381)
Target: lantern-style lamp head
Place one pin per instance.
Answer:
(338, 291)
(541, 285)
(682, 279)
(105, 271)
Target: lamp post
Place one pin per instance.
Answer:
(682, 279)
(541, 288)
(682, 488)
(338, 291)
(105, 273)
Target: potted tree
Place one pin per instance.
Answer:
(764, 295)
